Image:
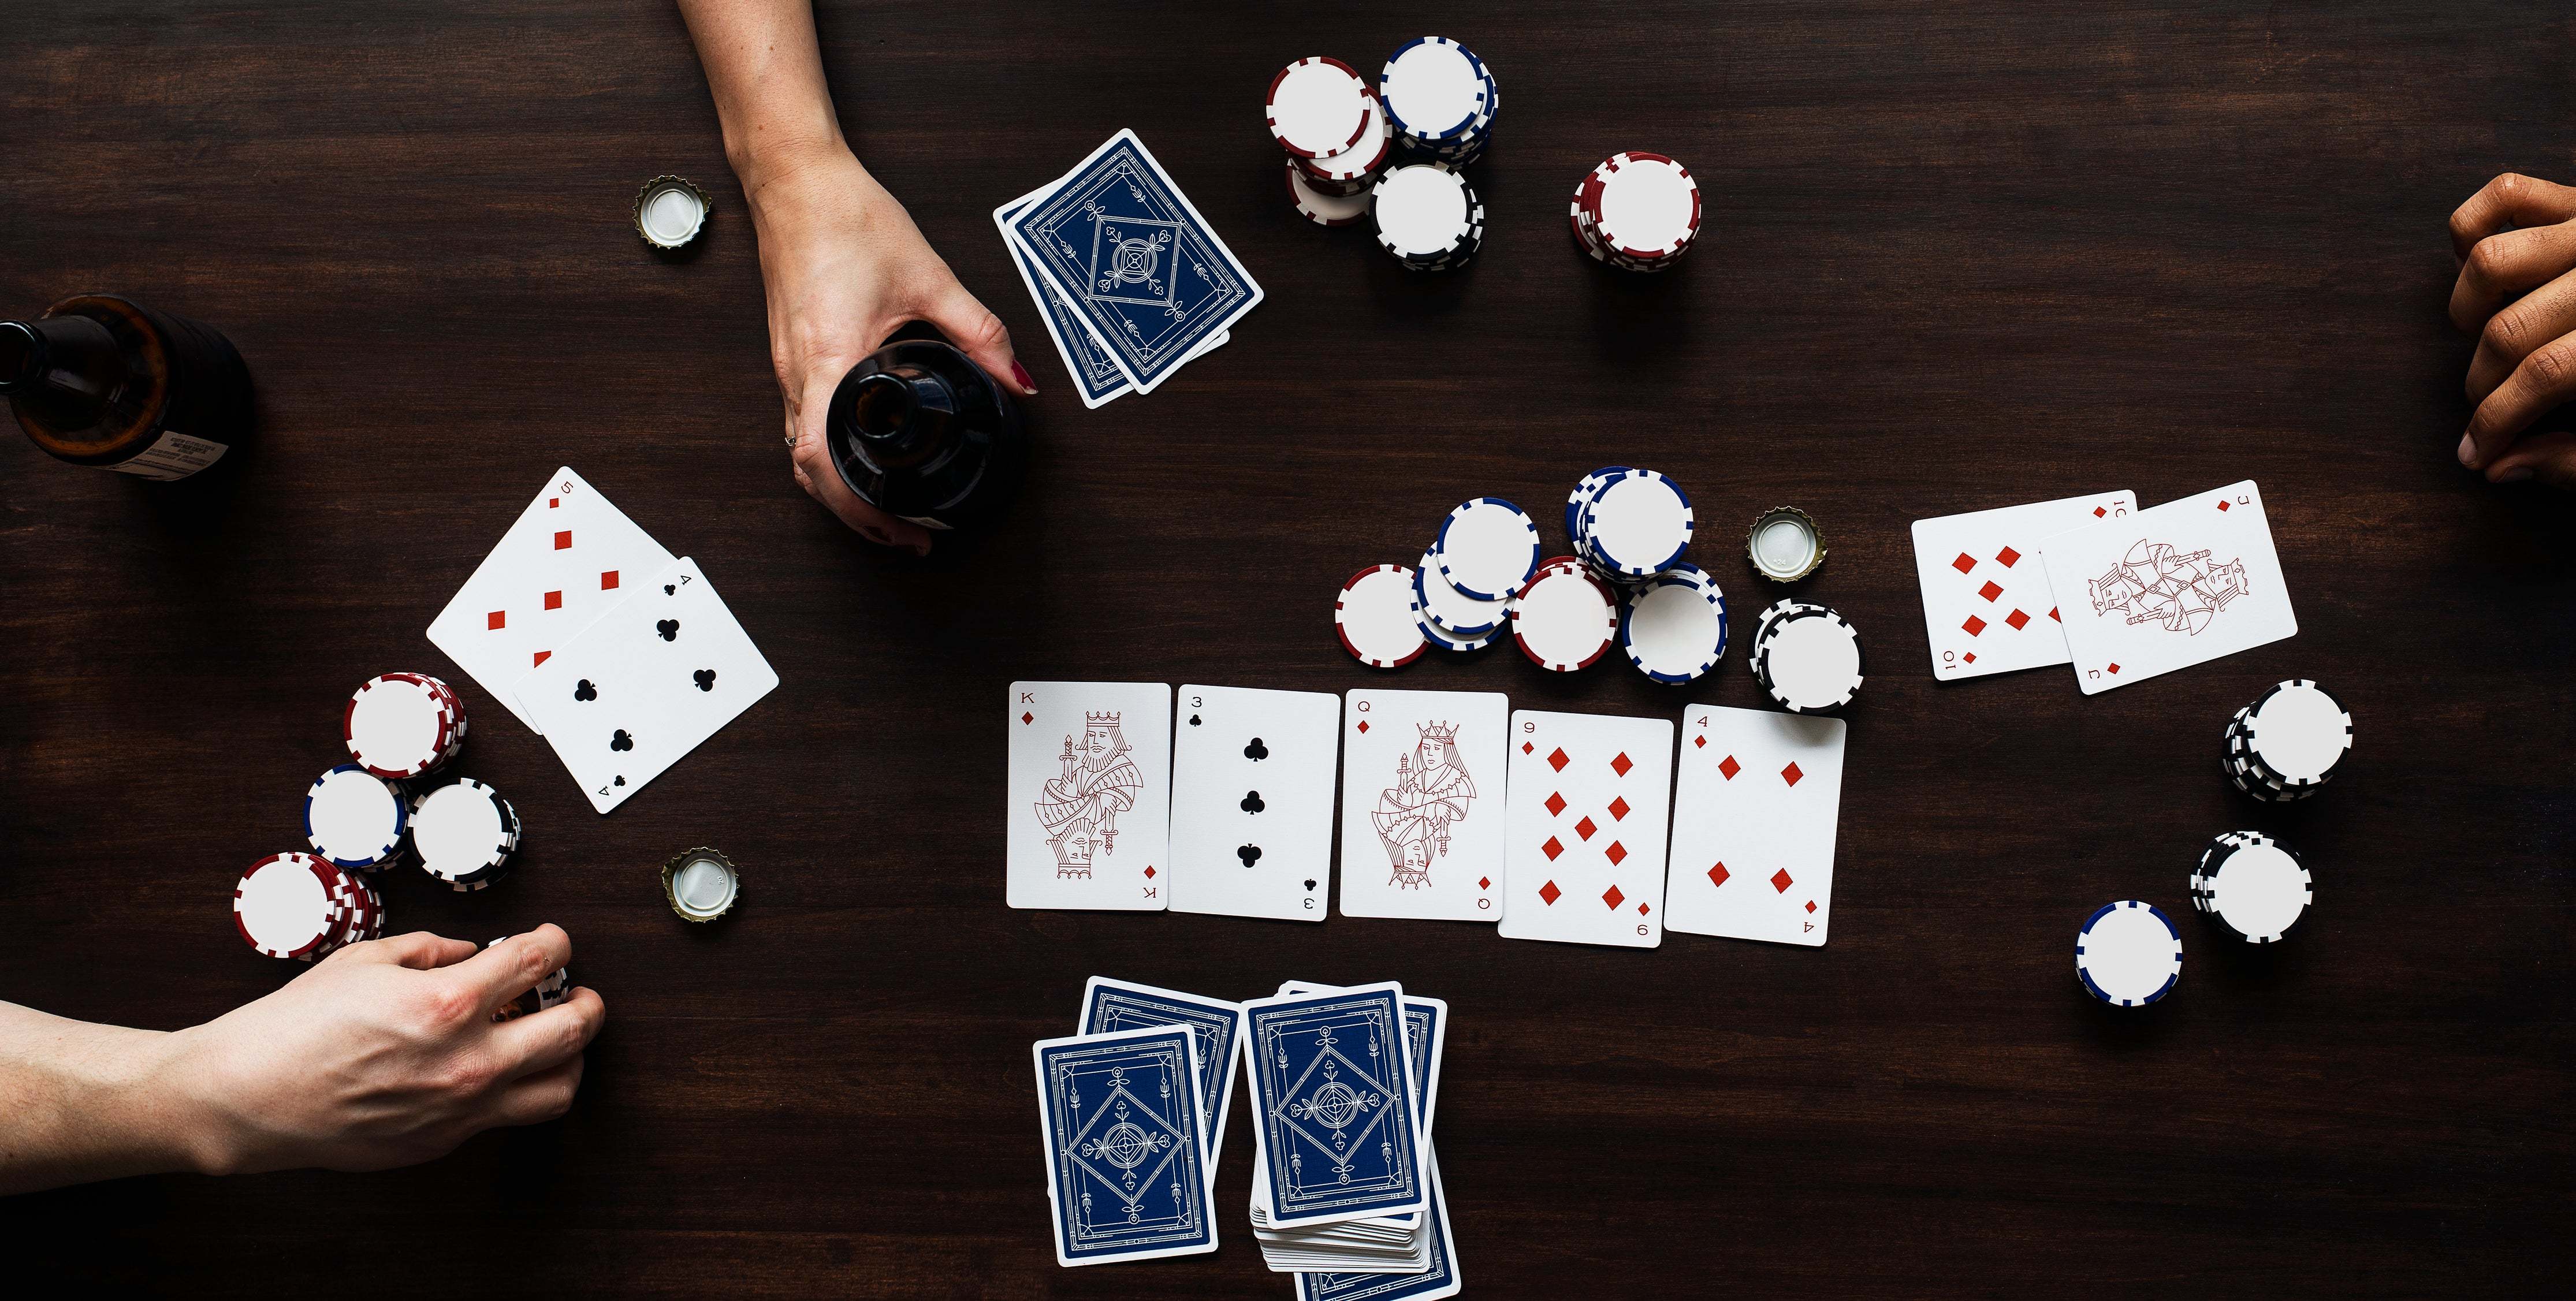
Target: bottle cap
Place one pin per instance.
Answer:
(669, 211)
(701, 884)
(1785, 544)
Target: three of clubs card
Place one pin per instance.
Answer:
(1422, 804)
(1590, 799)
(1753, 824)
(1089, 798)
(1252, 802)
(1987, 604)
(2169, 587)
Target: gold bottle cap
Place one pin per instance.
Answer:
(669, 212)
(701, 884)
(1785, 544)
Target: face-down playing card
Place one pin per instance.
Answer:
(1331, 1089)
(2171, 586)
(1754, 817)
(1126, 1176)
(1089, 795)
(1422, 804)
(1591, 797)
(1987, 605)
(1442, 1279)
(1112, 1005)
(1252, 802)
(1085, 358)
(645, 684)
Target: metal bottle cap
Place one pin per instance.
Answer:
(701, 884)
(1785, 544)
(669, 212)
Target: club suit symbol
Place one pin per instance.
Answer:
(1250, 854)
(1194, 720)
(1256, 751)
(582, 690)
(1251, 802)
(669, 588)
(705, 678)
(621, 741)
(669, 628)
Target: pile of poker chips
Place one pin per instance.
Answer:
(2288, 744)
(1636, 211)
(1807, 657)
(2128, 953)
(464, 834)
(355, 819)
(1327, 118)
(294, 905)
(1396, 151)
(403, 725)
(1428, 217)
(554, 988)
(2252, 886)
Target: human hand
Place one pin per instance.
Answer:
(384, 1054)
(2517, 236)
(843, 267)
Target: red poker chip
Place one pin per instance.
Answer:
(1563, 618)
(1316, 106)
(1374, 617)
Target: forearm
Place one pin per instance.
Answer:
(765, 68)
(80, 1102)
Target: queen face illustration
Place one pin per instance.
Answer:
(1413, 816)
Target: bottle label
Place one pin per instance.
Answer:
(174, 456)
(922, 520)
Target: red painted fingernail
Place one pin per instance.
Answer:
(1021, 373)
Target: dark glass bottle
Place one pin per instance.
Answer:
(920, 432)
(104, 381)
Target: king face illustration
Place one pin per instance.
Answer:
(1432, 791)
(1079, 806)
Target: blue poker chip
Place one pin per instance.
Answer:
(1673, 627)
(1639, 524)
(1446, 640)
(1488, 548)
(1436, 90)
(355, 819)
(1577, 501)
(1458, 614)
(2128, 953)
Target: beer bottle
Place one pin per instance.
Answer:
(105, 381)
(919, 431)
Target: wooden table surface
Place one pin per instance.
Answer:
(1959, 256)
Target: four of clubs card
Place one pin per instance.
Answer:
(1591, 796)
(1252, 802)
(1422, 804)
(1089, 798)
(1753, 825)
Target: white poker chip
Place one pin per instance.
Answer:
(399, 726)
(1638, 524)
(353, 817)
(1487, 549)
(284, 907)
(1674, 627)
(1364, 157)
(1564, 618)
(2298, 732)
(1647, 206)
(1446, 640)
(1436, 89)
(1809, 660)
(1580, 500)
(1373, 616)
(2128, 954)
(2258, 890)
(463, 831)
(1456, 612)
(1317, 106)
(1321, 208)
(1426, 212)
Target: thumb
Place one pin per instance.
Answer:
(979, 334)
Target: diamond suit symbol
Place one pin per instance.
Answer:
(1617, 853)
(1612, 897)
(1780, 881)
(1585, 828)
(1557, 758)
(2007, 557)
(1028, 718)
(1619, 809)
(1991, 590)
(2017, 619)
(1549, 893)
(1792, 773)
(1699, 742)
(1728, 767)
(1555, 804)
(1964, 563)
(1717, 875)
(1973, 626)
(1621, 765)
(1552, 848)
(2222, 505)
(1363, 725)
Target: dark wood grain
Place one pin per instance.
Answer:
(1961, 255)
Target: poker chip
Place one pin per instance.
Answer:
(2128, 953)
(1580, 500)
(464, 834)
(1637, 210)
(701, 884)
(1487, 548)
(1808, 660)
(1441, 603)
(1322, 208)
(1317, 106)
(2252, 886)
(2296, 734)
(286, 906)
(1674, 626)
(1436, 90)
(1373, 616)
(1784, 544)
(551, 989)
(354, 818)
(1436, 635)
(1353, 170)
(1564, 619)
(1427, 216)
(1637, 525)
(402, 725)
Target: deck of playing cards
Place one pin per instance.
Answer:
(623, 658)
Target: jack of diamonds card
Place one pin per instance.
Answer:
(1089, 795)
(2169, 587)
(1754, 816)
(1987, 603)
(1590, 800)
(1422, 804)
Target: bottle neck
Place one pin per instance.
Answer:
(64, 370)
(903, 415)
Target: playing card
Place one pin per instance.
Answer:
(1089, 797)
(1442, 1279)
(1422, 804)
(1426, 1032)
(645, 684)
(1085, 358)
(1252, 802)
(1754, 815)
(1331, 1083)
(569, 557)
(2169, 587)
(1111, 1005)
(1120, 1113)
(1138, 264)
(1583, 858)
(1986, 601)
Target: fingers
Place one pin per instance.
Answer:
(2501, 266)
(538, 1098)
(2511, 334)
(978, 333)
(514, 966)
(2550, 456)
(814, 473)
(2509, 200)
(419, 950)
(529, 1045)
(2544, 380)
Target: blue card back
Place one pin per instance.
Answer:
(1126, 1178)
(1125, 247)
(1333, 1087)
(1441, 1280)
(1091, 366)
(1117, 1005)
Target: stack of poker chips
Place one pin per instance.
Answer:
(553, 989)
(2128, 953)
(1807, 657)
(1330, 123)
(2252, 886)
(1428, 217)
(1441, 98)
(464, 834)
(2288, 744)
(355, 819)
(294, 905)
(403, 725)
(1637, 211)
